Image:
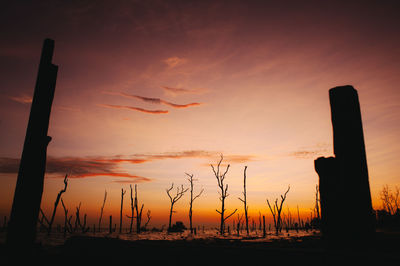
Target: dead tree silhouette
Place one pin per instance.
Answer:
(192, 199)
(244, 200)
(179, 193)
(390, 200)
(148, 214)
(138, 217)
(223, 194)
(138, 213)
(239, 224)
(120, 213)
(264, 231)
(78, 222)
(102, 208)
(132, 211)
(51, 221)
(276, 211)
(67, 221)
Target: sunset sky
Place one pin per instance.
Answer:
(149, 90)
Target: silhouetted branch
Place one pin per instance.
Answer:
(49, 223)
(57, 201)
(148, 219)
(390, 199)
(102, 208)
(227, 217)
(66, 222)
(239, 223)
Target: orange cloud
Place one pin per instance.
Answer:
(134, 108)
(311, 152)
(24, 99)
(126, 175)
(133, 161)
(174, 61)
(211, 155)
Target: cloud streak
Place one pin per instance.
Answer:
(24, 99)
(177, 91)
(85, 167)
(311, 152)
(77, 167)
(210, 155)
(134, 109)
(155, 100)
(175, 61)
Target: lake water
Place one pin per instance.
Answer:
(57, 238)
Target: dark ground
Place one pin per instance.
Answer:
(311, 250)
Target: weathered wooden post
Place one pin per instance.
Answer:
(29, 188)
(345, 196)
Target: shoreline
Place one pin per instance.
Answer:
(84, 250)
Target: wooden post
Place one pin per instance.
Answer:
(21, 231)
(346, 174)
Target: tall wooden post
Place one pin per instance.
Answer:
(28, 191)
(345, 196)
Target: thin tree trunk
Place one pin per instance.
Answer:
(264, 232)
(191, 201)
(132, 211)
(56, 203)
(170, 216)
(120, 213)
(110, 227)
(102, 208)
(244, 200)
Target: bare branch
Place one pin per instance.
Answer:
(226, 218)
(198, 195)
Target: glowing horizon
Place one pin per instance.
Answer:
(147, 92)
